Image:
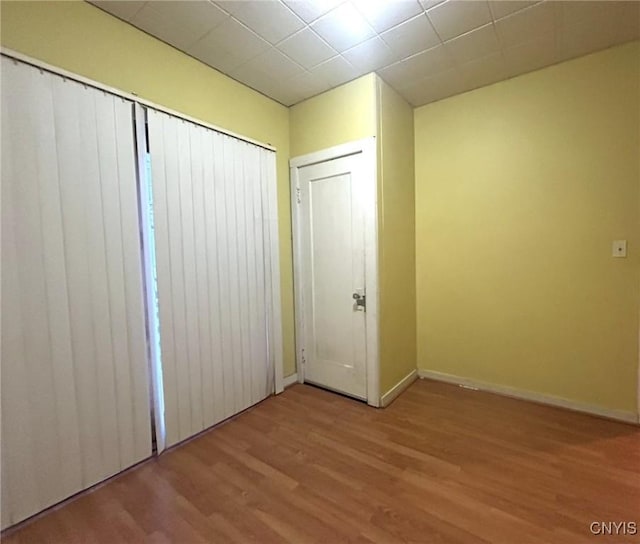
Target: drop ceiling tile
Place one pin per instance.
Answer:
(304, 86)
(426, 64)
(531, 55)
(279, 92)
(343, 27)
(314, 83)
(411, 37)
(580, 39)
(335, 71)
(434, 88)
(604, 17)
(230, 6)
(531, 34)
(427, 4)
(583, 38)
(475, 44)
(383, 14)
(502, 8)
(626, 11)
(307, 48)
(195, 17)
(576, 11)
(256, 79)
(124, 9)
(233, 38)
(370, 55)
(527, 24)
(220, 59)
(288, 96)
(625, 17)
(310, 10)
(270, 19)
(455, 17)
(157, 24)
(484, 71)
(396, 76)
(272, 63)
(269, 87)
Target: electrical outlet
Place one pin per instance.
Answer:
(619, 248)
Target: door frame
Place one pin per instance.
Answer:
(367, 147)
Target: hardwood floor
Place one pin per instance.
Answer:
(441, 464)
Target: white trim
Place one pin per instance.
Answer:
(297, 274)
(9, 53)
(275, 317)
(398, 388)
(367, 147)
(335, 152)
(550, 400)
(371, 273)
(290, 380)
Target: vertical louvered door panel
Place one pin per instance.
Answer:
(214, 271)
(75, 392)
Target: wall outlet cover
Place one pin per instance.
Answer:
(619, 248)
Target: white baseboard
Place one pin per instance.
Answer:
(290, 380)
(619, 415)
(398, 388)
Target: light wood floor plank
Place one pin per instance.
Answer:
(440, 465)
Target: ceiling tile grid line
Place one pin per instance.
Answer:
(291, 50)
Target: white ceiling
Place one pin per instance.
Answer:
(291, 50)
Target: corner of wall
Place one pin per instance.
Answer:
(520, 188)
(396, 235)
(340, 115)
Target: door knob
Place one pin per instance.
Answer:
(361, 301)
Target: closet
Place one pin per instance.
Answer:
(140, 282)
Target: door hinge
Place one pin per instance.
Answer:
(298, 195)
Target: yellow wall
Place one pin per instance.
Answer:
(396, 237)
(338, 116)
(520, 189)
(83, 39)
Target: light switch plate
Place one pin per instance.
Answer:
(619, 248)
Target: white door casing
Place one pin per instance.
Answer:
(335, 259)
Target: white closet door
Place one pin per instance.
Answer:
(212, 216)
(75, 392)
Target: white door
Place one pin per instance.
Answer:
(332, 229)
